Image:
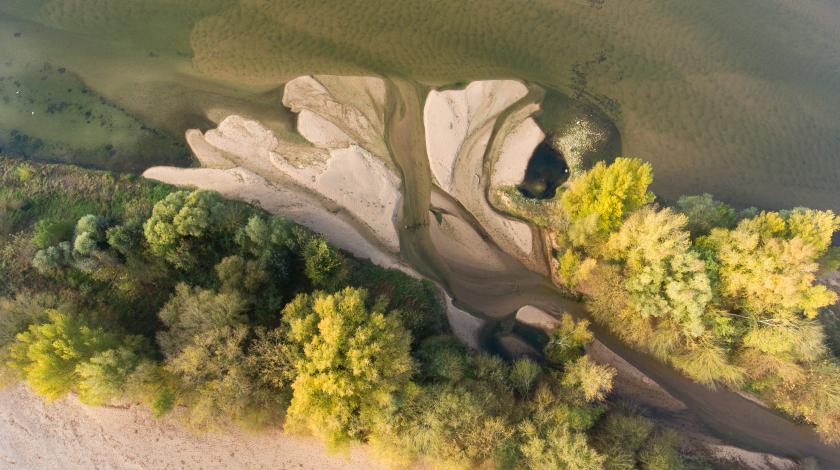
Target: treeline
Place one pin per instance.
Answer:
(124, 290)
(727, 297)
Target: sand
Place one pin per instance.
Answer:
(459, 125)
(516, 150)
(66, 434)
(351, 177)
(456, 120)
(354, 105)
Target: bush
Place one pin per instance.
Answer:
(51, 232)
(523, 375)
(566, 342)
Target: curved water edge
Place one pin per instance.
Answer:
(723, 412)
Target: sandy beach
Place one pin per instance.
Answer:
(66, 434)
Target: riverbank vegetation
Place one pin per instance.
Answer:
(124, 290)
(727, 297)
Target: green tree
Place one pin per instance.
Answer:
(104, 375)
(192, 311)
(663, 276)
(704, 214)
(248, 277)
(448, 426)
(179, 223)
(325, 266)
(523, 375)
(443, 358)
(350, 362)
(51, 232)
(660, 452)
(52, 259)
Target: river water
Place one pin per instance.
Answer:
(738, 99)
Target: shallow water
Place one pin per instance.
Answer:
(739, 99)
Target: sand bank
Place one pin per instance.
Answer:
(66, 434)
(459, 125)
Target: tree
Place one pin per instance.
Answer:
(216, 382)
(572, 270)
(557, 447)
(593, 380)
(179, 222)
(243, 276)
(767, 264)
(449, 426)
(192, 311)
(443, 358)
(660, 452)
(523, 374)
(48, 354)
(597, 202)
(551, 435)
(54, 258)
(663, 276)
(567, 340)
(704, 214)
(104, 375)
(125, 237)
(350, 361)
(325, 266)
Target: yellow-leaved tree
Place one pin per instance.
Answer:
(349, 361)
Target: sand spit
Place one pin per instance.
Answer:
(355, 107)
(66, 434)
(629, 381)
(459, 125)
(350, 178)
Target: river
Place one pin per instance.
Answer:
(499, 294)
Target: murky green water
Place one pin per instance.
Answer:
(741, 99)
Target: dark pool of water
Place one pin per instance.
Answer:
(547, 169)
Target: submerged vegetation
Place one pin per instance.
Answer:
(123, 290)
(727, 297)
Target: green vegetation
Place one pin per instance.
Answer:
(725, 297)
(124, 290)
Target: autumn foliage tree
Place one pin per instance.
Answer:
(350, 361)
